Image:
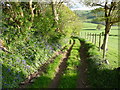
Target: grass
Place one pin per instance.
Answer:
(102, 75)
(112, 53)
(99, 76)
(69, 78)
(45, 79)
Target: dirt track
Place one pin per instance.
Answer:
(61, 68)
(82, 69)
(42, 69)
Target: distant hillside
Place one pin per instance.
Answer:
(89, 16)
(84, 13)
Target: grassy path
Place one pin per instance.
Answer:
(69, 77)
(52, 71)
(61, 68)
(30, 79)
(66, 70)
(82, 79)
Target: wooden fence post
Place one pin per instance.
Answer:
(90, 36)
(95, 39)
(99, 41)
(85, 35)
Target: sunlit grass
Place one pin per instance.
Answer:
(100, 75)
(69, 78)
(45, 79)
(112, 53)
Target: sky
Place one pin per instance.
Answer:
(79, 6)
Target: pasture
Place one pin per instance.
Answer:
(112, 53)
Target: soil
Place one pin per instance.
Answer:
(82, 68)
(60, 70)
(30, 78)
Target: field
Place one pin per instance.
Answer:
(112, 53)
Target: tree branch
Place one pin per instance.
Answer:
(95, 4)
(114, 22)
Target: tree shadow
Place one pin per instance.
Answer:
(68, 81)
(99, 76)
(102, 78)
(40, 82)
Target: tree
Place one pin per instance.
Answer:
(55, 13)
(99, 26)
(111, 16)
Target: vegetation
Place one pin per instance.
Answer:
(32, 32)
(28, 33)
(99, 74)
(112, 53)
(110, 9)
(99, 26)
(46, 78)
(69, 77)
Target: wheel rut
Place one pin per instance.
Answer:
(30, 79)
(60, 70)
(82, 68)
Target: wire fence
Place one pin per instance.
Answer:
(95, 38)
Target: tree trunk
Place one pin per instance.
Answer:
(105, 41)
(54, 11)
(107, 30)
(32, 10)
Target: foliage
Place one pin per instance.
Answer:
(69, 22)
(31, 43)
(84, 14)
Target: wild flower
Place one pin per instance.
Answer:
(23, 62)
(18, 60)
(9, 70)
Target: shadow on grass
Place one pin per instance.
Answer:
(44, 82)
(98, 75)
(65, 81)
(11, 77)
(41, 82)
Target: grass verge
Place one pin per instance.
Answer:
(99, 75)
(45, 79)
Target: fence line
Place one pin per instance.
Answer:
(93, 37)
